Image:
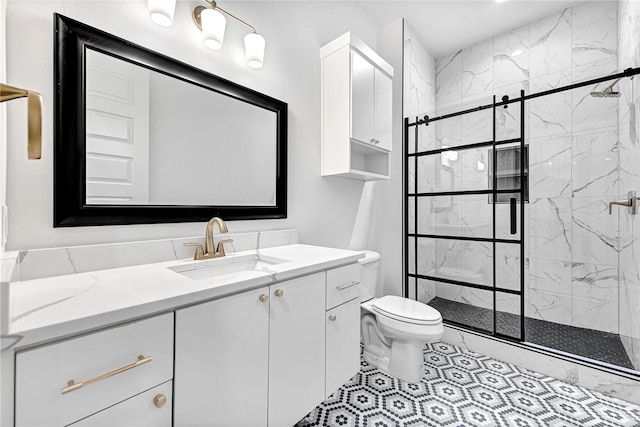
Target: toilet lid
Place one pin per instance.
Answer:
(406, 310)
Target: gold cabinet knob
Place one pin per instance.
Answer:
(159, 400)
(264, 297)
(332, 317)
(279, 292)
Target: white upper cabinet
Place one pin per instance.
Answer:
(382, 111)
(362, 99)
(370, 103)
(356, 110)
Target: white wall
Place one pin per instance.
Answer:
(4, 386)
(324, 209)
(3, 117)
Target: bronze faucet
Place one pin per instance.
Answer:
(208, 243)
(630, 201)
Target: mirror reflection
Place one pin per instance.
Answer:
(154, 139)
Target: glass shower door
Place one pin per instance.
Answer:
(464, 186)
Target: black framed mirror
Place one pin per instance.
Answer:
(141, 138)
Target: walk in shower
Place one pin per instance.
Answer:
(518, 217)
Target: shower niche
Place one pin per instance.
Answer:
(508, 173)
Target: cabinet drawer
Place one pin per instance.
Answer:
(149, 409)
(343, 284)
(105, 363)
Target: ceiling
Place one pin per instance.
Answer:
(448, 25)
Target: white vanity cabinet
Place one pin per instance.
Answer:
(356, 110)
(267, 357)
(342, 326)
(252, 359)
(261, 348)
(296, 349)
(64, 382)
(222, 361)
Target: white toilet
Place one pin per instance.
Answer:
(394, 329)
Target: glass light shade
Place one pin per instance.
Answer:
(213, 26)
(254, 49)
(161, 11)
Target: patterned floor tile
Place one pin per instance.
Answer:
(488, 398)
(439, 413)
(400, 407)
(452, 393)
(464, 389)
(473, 414)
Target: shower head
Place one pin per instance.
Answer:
(608, 92)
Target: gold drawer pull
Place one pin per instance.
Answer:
(332, 317)
(72, 385)
(342, 288)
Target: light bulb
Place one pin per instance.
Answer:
(254, 49)
(161, 11)
(213, 26)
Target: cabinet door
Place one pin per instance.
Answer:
(362, 99)
(343, 344)
(296, 350)
(221, 364)
(383, 110)
(149, 409)
(43, 395)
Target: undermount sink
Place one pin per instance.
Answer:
(209, 269)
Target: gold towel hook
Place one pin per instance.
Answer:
(34, 116)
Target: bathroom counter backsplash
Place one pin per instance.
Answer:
(48, 308)
(38, 263)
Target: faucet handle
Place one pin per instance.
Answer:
(199, 252)
(220, 248)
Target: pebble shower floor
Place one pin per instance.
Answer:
(464, 389)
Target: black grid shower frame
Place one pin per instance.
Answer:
(493, 191)
(629, 72)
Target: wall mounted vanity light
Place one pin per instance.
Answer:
(161, 11)
(211, 21)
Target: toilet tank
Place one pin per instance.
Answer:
(369, 282)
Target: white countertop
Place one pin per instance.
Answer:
(55, 307)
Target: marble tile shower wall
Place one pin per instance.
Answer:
(571, 243)
(420, 75)
(629, 128)
(419, 92)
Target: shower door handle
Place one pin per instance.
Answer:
(513, 215)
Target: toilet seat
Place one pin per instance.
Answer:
(406, 310)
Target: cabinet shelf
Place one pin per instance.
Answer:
(368, 162)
